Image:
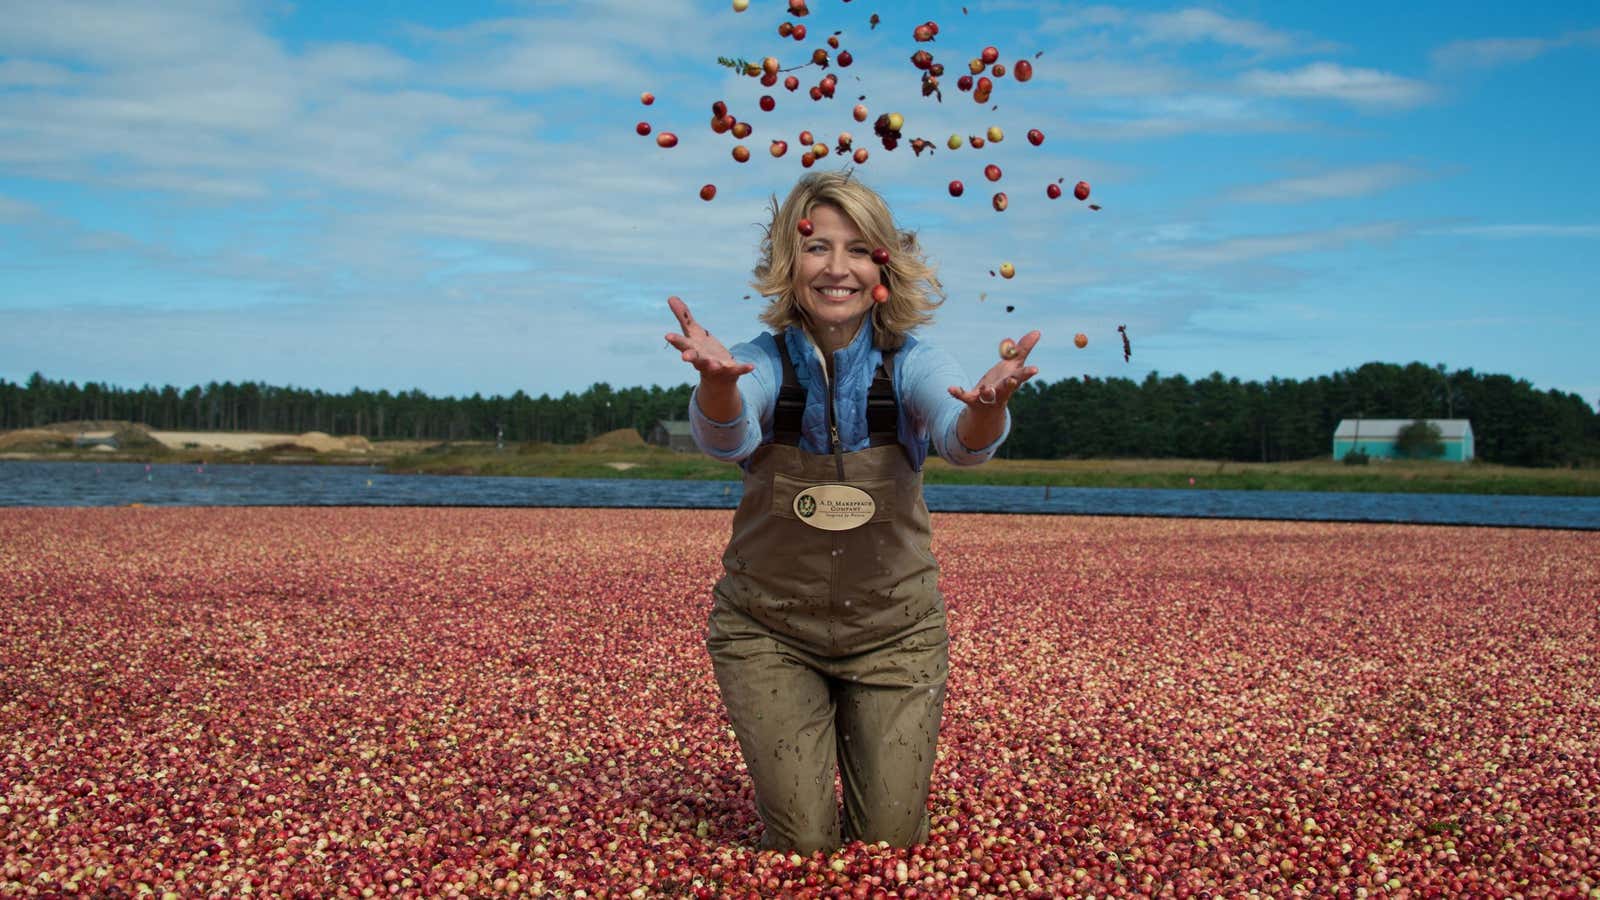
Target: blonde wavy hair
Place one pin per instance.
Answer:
(914, 289)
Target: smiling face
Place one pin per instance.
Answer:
(834, 276)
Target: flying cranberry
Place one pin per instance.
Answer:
(805, 227)
(956, 188)
(922, 34)
(964, 83)
(880, 255)
(741, 5)
(1008, 349)
(799, 33)
(989, 55)
(816, 92)
(741, 130)
(991, 172)
(643, 128)
(1022, 71)
(805, 138)
(806, 159)
(1080, 340)
(819, 57)
(932, 25)
(985, 85)
(922, 59)
(880, 293)
(779, 148)
(769, 79)
(845, 59)
(767, 103)
(770, 64)
(666, 139)
(785, 29)
(792, 83)
(833, 41)
(1081, 190)
(719, 109)
(1035, 136)
(975, 141)
(860, 155)
(741, 153)
(647, 98)
(1053, 191)
(975, 66)
(1000, 202)
(995, 134)
(954, 143)
(999, 70)
(798, 8)
(819, 150)
(720, 125)
(1007, 270)
(936, 70)
(860, 112)
(707, 192)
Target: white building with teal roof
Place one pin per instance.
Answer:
(1376, 437)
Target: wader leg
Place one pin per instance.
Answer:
(888, 731)
(782, 714)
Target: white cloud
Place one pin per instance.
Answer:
(1330, 81)
(1488, 53)
(29, 73)
(1185, 27)
(1529, 230)
(1194, 25)
(1243, 249)
(1336, 184)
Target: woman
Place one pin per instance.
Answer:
(827, 634)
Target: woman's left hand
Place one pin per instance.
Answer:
(997, 385)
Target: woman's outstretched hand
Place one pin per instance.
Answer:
(701, 350)
(997, 385)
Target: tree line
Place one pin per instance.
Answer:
(1162, 416)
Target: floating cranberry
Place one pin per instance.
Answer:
(1081, 190)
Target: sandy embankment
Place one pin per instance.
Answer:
(244, 441)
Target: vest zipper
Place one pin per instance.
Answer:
(833, 425)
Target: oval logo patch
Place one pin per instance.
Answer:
(834, 507)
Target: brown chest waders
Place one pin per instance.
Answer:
(829, 646)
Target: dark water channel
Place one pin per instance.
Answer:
(28, 483)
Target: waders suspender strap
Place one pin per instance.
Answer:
(883, 411)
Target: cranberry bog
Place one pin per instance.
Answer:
(427, 702)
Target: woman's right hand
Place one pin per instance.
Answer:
(701, 350)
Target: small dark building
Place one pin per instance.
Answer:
(673, 434)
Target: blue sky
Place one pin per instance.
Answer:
(452, 196)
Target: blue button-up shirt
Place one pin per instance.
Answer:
(922, 376)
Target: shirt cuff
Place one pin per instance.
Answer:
(959, 454)
(719, 440)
